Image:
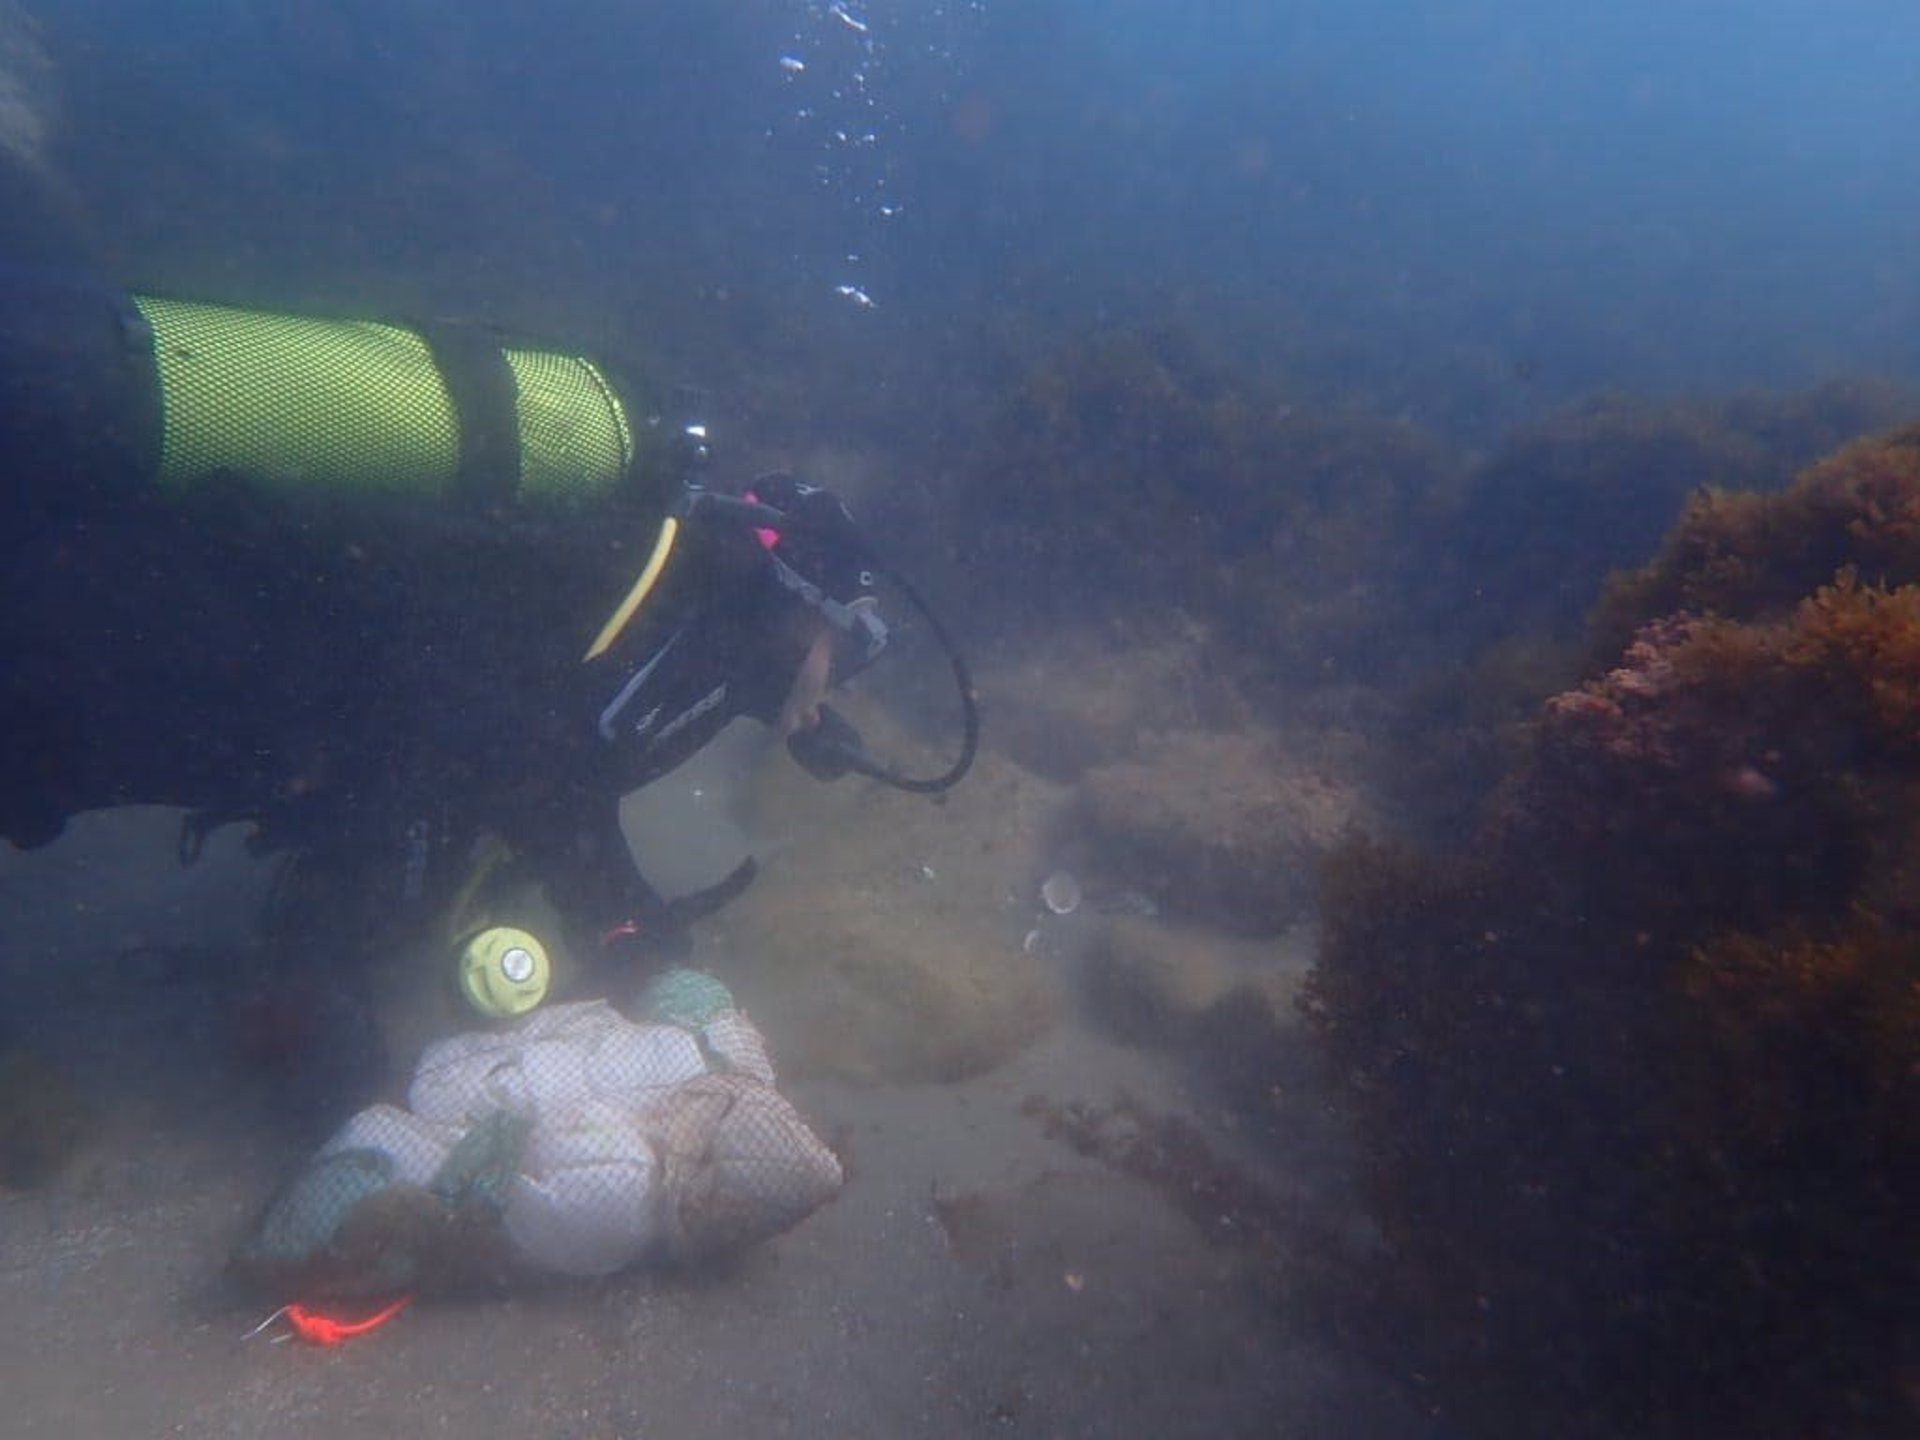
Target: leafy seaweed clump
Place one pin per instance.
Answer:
(1640, 1082)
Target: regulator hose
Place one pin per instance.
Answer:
(835, 747)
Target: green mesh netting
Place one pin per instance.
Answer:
(289, 401)
(305, 1215)
(574, 437)
(686, 997)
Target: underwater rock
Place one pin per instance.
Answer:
(1292, 1248)
(1092, 697)
(1222, 828)
(855, 985)
(1171, 1154)
(1155, 982)
(1229, 1006)
(881, 945)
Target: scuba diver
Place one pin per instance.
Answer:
(756, 621)
(341, 580)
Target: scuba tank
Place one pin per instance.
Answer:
(110, 388)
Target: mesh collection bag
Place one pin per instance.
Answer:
(573, 1142)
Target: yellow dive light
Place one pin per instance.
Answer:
(503, 971)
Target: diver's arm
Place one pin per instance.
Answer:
(801, 709)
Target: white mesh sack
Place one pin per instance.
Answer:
(554, 1058)
(416, 1147)
(739, 1165)
(584, 1198)
(572, 1142)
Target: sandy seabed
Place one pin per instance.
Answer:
(977, 1275)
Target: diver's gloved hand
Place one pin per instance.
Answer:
(831, 748)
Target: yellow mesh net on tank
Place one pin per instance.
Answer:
(289, 401)
(574, 436)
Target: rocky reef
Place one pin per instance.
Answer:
(1746, 556)
(1224, 828)
(1526, 585)
(1639, 1071)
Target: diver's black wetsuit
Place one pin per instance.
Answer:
(723, 637)
(343, 671)
(223, 657)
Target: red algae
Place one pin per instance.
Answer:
(1641, 1083)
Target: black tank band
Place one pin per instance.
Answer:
(481, 386)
